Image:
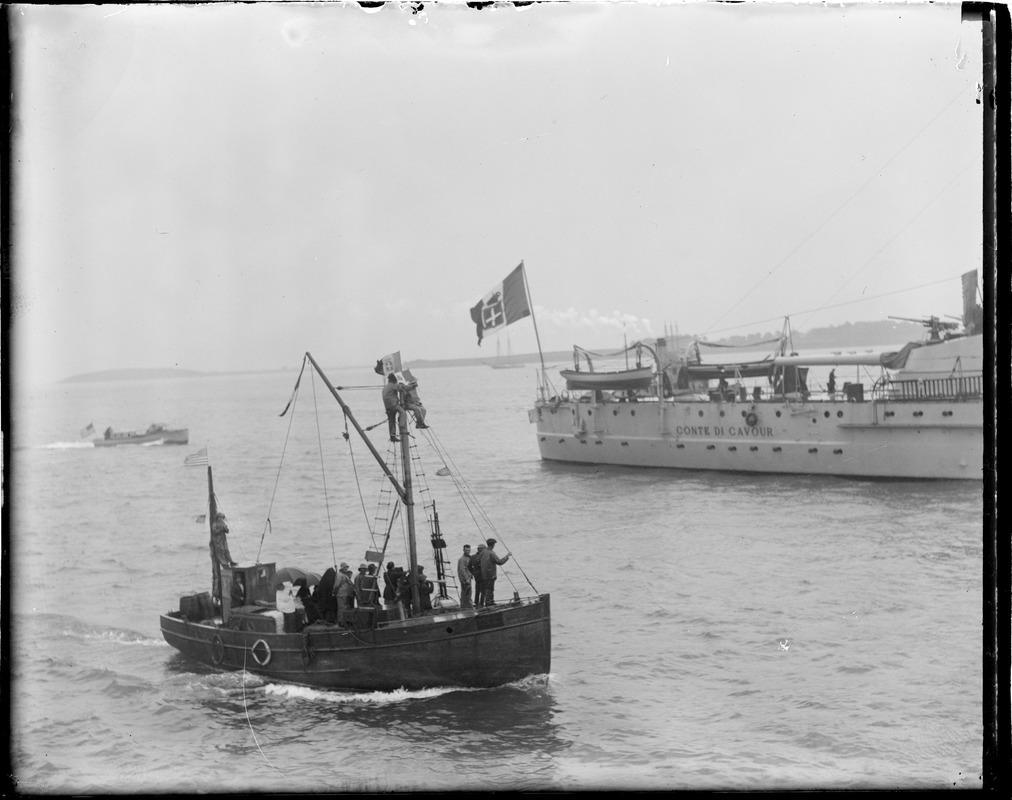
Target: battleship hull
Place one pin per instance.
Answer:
(903, 439)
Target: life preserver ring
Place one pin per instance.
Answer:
(261, 646)
(751, 419)
(217, 650)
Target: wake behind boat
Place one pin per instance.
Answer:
(405, 641)
(156, 432)
(922, 417)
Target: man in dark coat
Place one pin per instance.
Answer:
(220, 555)
(390, 578)
(489, 560)
(479, 585)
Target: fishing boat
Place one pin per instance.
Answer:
(920, 416)
(246, 624)
(156, 433)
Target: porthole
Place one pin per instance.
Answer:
(778, 413)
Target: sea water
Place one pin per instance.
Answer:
(710, 630)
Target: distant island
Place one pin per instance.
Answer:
(132, 375)
(838, 337)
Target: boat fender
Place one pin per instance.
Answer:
(261, 652)
(217, 650)
(751, 419)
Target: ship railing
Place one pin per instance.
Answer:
(959, 388)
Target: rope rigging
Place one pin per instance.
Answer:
(388, 508)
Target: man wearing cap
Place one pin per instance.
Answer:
(474, 567)
(220, 556)
(489, 560)
(344, 591)
(363, 590)
(392, 403)
(464, 576)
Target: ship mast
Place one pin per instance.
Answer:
(404, 491)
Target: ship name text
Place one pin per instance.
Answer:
(739, 431)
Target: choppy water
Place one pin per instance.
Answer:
(709, 630)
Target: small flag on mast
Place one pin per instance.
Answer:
(389, 363)
(198, 459)
(505, 304)
(89, 430)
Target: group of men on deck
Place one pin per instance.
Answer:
(479, 568)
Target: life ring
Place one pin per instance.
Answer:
(217, 650)
(255, 652)
(751, 419)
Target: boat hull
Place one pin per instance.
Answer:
(181, 436)
(483, 648)
(880, 438)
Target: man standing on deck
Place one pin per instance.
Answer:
(489, 560)
(474, 567)
(464, 576)
(219, 555)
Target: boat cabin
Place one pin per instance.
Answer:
(246, 590)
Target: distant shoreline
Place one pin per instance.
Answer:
(849, 335)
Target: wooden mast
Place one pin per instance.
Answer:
(403, 490)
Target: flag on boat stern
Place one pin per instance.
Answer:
(198, 459)
(88, 431)
(505, 304)
(388, 364)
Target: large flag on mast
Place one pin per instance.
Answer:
(505, 304)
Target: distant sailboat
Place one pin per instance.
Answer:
(508, 362)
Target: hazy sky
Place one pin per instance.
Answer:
(225, 186)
